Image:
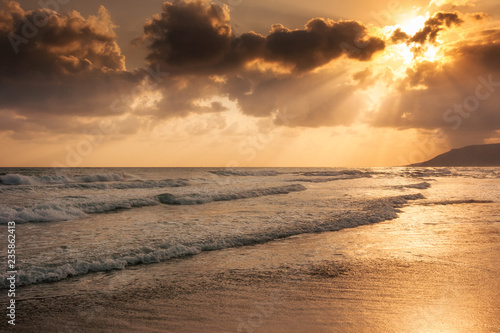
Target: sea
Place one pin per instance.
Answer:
(74, 227)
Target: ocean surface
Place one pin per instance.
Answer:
(78, 224)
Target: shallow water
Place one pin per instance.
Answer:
(436, 252)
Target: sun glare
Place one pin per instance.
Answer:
(414, 25)
(405, 53)
(401, 55)
(432, 53)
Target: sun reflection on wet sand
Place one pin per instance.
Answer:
(450, 277)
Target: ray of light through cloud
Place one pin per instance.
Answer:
(204, 81)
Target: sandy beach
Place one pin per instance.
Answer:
(418, 273)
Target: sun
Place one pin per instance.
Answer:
(403, 54)
(432, 53)
(413, 25)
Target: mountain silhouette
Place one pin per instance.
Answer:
(470, 156)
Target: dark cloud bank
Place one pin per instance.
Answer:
(197, 38)
(72, 66)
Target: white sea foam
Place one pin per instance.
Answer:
(62, 211)
(429, 172)
(81, 206)
(39, 213)
(17, 179)
(374, 211)
(136, 184)
(101, 177)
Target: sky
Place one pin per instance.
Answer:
(240, 83)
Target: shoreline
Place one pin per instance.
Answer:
(395, 276)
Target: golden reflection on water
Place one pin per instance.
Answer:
(452, 283)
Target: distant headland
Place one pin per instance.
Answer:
(470, 156)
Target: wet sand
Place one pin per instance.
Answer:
(434, 269)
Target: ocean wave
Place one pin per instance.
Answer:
(330, 179)
(136, 184)
(428, 172)
(197, 198)
(101, 177)
(132, 184)
(457, 202)
(419, 186)
(16, 179)
(53, 212)
(375, 211)
(48, 212)
(81, 206)
(230, 172)
(337, 173)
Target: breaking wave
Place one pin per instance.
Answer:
(429, 172)
(81, 206)
(375, 211)
(16, 179)
(196, 198)
(337, 173)
(229, 172)
(53, 212)
(132, 184)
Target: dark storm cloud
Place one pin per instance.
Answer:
(58, 64)
(182, 95)
(399, 36)
(72, 69)
(461, 97)
(58, 70)
(194, 42)
(45, 41)
(196, 37)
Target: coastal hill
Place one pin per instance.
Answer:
(470, 156)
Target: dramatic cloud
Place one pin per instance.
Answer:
(58, 64)
(461, 97)
(196, 37)
(195, 43)
(62, 73)
(430, 32)
(399, 36)
(434, 25)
